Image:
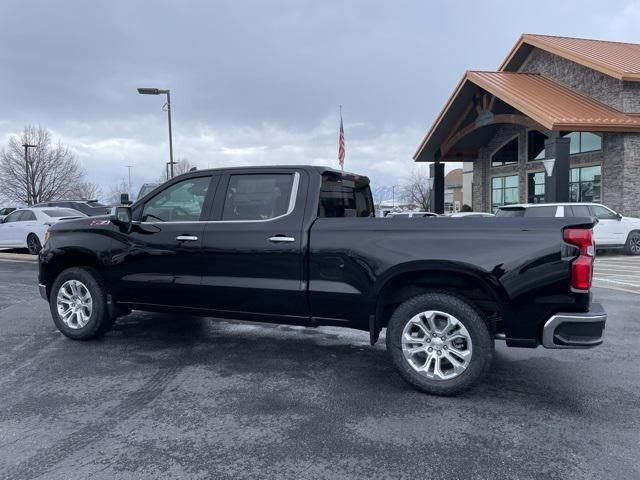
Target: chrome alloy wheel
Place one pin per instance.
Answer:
(634, 244)
(436, 345)
(74, 304)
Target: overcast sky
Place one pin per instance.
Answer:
(259, 82)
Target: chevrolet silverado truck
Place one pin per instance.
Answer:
(301, 245)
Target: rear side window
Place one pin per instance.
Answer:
(62, 212)
(541, 212)
(510, 212)
(577, 211)
(343, 197)
(27, 216)
(258, 197)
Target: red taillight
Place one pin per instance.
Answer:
(582, 266)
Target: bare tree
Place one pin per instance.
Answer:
(50, 172)
(417, 189)
(87, 191)
(182, 165)
(113, 195)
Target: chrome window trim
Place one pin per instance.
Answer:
(292, 204)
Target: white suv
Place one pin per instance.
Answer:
(612, 230)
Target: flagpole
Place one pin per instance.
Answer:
(341, 137)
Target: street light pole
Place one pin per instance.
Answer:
(26, 169)
(129, 167)
(167, 92)
(170, 134)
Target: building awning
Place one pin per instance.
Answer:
(616, 59)
(544, 103)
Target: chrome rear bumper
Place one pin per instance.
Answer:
(575, 330)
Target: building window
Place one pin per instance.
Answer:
(506, 155)
(585, 184)
(581, 142)
(504, 191)
(535, 145)
(535, 187)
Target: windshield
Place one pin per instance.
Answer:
(62, 212)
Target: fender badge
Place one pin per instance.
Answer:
(95, 223)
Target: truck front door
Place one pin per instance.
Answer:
(253, 246)
(158, 261)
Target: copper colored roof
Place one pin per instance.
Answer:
(616, 59)
(551, 104)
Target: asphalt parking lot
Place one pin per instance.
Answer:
(184, 397)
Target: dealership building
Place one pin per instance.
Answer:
(558, 121)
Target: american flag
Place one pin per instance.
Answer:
(341, 144)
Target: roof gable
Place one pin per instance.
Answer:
(548, 103)
(616, 59)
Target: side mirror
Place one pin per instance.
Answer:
(120, 216)
(619, 215)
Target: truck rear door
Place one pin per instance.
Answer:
(252, 251)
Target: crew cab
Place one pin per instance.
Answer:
(613, 230)
(301, 245)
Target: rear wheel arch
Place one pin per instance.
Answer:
(472, 286)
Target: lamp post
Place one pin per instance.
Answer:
(129, 167)
(157, 91)
(26, 169)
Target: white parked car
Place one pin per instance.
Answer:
(612, 230)
(26, 227)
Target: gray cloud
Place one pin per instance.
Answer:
(260, 81)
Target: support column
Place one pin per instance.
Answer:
(557, 163)
(437, 188)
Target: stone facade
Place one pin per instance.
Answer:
(620, 154)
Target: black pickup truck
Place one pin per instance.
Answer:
(301, 245)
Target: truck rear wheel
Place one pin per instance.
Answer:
(78, 304)
(439, 343)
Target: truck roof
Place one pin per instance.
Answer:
(318, 168)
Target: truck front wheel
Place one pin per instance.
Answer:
(439, 343)
(78, 303)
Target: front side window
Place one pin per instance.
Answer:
(535, 187)
(585, 184)
(577, 211)
(345, 197)
(14, 217)
(504, 191)
(603, 213)
(506, 155)
(257, 196)
(181, 202)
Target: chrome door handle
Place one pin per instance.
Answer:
(186, 238)
(281, 239)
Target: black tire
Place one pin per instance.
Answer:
(632, 246)
(99, 321)
(480, 334)
(33, 244)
